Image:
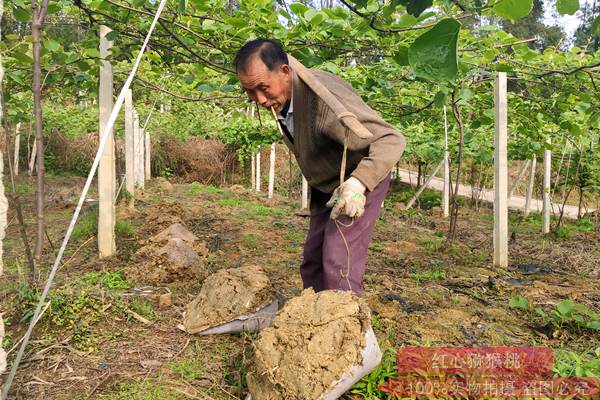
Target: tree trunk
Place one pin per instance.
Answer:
(454, 212)
(39, 14)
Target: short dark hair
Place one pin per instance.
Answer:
(270, 52)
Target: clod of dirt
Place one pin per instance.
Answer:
(163, 215)
(172, 256)
(226, 295)
(313, 340)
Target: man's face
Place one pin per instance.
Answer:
(267, 88)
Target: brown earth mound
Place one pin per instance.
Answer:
(174, 255)
(312, 342)
(226, 295)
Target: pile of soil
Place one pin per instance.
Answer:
(314, 339)
(226, 295)
(174, 255)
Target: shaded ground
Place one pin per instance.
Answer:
(92, 345)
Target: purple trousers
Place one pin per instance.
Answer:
(326, 264)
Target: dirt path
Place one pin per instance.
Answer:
(515, 202)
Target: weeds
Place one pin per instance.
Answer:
(143, 307)
(368, 386)
(187, 369)
(430, 275)
(86, 226)
(124, 228)
(564, 315)
(195, 188)
(108, 279)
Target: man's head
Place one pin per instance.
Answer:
(264, 73)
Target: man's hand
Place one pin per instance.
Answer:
(349, 200)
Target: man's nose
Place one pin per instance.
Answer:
(261, 98)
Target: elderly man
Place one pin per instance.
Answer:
(343, 215)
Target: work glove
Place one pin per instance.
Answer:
(349, 199)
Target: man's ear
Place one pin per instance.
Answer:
(286, 69)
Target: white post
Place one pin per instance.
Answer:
(17, 149)
(446, 193)
(253, 171)
(148, 154)
(416, 196)
(139, 151)
(106, 169)
(129, 144)
(258, 171)
(500, 173)
(271, 171)
(530, 186)
(32, 158)
(518, 178)
(546, 204)
(304, 193)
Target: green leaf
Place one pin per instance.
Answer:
(53, 9)
(440, 98)
(181, 6)
(416, 7)
(50, 44)
(513, 9)
(92, 52)
(565, 307)
(567, 6)
(22, 57)
(112, 36)
(401, 56)
(236, 22)
(433, 54)
(21, 14)
(298, 8)
(593, 325)
(518, 302)
(596, 26)
(72, 57)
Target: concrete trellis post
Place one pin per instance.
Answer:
(148, 157)
(500, 173)
(546, 205)
(304, 193)
(258, 171)
(32, 158)
(271, 171)
(139, 151)
(446, 192)
(253, 171)
(17, 149)
(530, 186)
(129, 145)
(106, 169)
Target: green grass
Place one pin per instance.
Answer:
(195, 188)
(252, 241)
(108, 279)
(296, 237)
(432, 245)
(187, 369)
(249, 209)
(85, 227)
(146, 390)
(143, 307)
(429, 275)
(124, 228)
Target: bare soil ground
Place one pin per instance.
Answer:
(106, 335)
